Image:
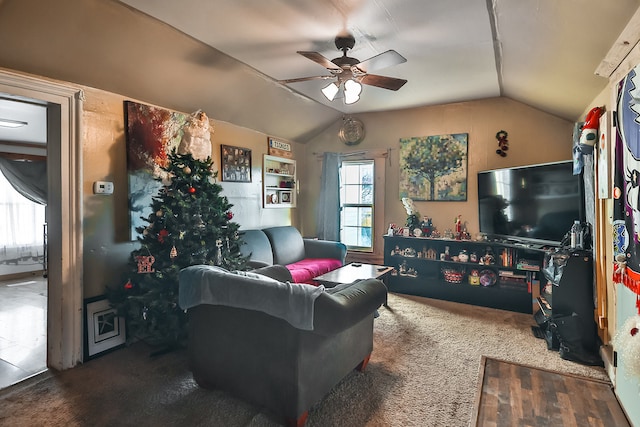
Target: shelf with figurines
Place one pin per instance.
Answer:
(482, 272)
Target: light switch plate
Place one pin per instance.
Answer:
(103, 187)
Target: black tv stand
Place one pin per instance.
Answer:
(421, 267)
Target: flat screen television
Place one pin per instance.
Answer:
(536, 203)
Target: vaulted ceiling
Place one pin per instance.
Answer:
(228, 56)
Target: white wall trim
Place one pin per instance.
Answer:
(64, 163)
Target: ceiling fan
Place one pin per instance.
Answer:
(350, 73)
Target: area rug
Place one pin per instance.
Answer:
(423, 372)
(513, 394)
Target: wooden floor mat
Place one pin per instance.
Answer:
(512, 394)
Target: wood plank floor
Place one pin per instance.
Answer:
(511, 394)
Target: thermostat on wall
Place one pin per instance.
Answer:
(103, 187)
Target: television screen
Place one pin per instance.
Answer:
(538, 202)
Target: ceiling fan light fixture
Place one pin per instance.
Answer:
(330, 91)
(352, 91)
(12, 123)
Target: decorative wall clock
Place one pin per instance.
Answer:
(351, 131)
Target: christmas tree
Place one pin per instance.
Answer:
(189, 224)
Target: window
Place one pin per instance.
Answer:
(356, 203)
(21, 225)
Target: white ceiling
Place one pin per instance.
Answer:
(35, 115)
(541, 52)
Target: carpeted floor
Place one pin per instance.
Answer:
(423, 372)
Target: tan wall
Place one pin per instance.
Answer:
(106, 218)
(534, 137)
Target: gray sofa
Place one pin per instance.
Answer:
(284, 245)
(242, 344)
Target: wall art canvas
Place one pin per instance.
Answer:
(151, 134)
(434, 168)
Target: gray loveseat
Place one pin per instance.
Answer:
(243, 340)
(284, 245)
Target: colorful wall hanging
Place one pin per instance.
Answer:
(434, 167)
(627, 185)
(151, 134)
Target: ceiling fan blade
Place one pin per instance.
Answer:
(304, 79)
(383, 60)
(320, 59)
(383, 82)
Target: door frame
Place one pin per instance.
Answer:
(64, 210)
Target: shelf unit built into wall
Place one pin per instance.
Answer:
(278, 182)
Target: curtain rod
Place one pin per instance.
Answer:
(375, 153)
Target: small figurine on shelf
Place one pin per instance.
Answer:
(403, 268)
(474, 278)
(458, 225)
(488, 258)
(427, 226)
(463, 256)
(412, 214)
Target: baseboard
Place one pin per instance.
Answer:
(606, 353)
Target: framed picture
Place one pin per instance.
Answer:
(434, 167)
(105, 330)
(236, 164)
(285, 196)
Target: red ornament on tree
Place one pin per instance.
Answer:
(192, 190)
(162, 234)
(128, 285)
(229, 215)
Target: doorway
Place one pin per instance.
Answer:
(64, 213)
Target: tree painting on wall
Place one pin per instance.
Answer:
(152, 133)
(434, 168)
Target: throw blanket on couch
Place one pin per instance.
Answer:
(205, 284)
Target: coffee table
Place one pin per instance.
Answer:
(351, 272)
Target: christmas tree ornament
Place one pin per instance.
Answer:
(128, 285)
(162, 234)
(196, 139)
(145, 263)
(145, 310)
(186, 170)
(174, 252)
(229, 215)
(219, 252)
(191, 190)
(159, 213)
(182, 233)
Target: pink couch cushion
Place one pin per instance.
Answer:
(305, 270)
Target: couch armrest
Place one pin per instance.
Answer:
(335, 312)
(257, 264)
(276, 271)
(324, 249)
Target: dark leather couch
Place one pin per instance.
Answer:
(264, 360)
(284, 245)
